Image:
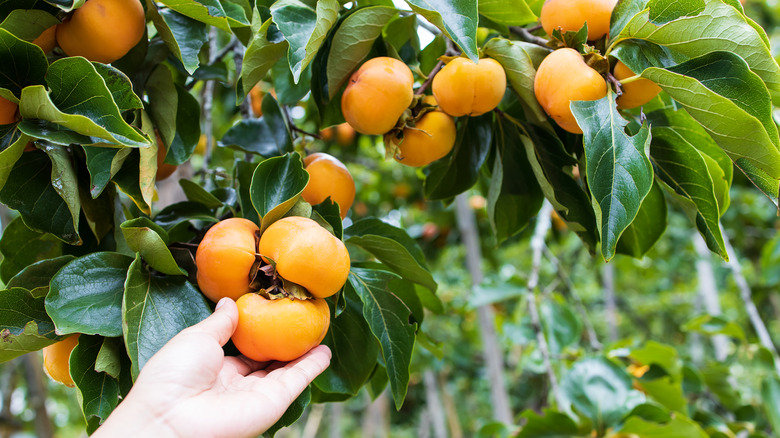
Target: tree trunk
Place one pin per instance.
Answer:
(608, 280)
(435, 408)
(313, 421)
(376, 418)
(491, 350)
(336, 412)
(456, 431)
(36, 395)
(708, 291)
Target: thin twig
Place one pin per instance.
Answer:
(747, 299)
(208, 101)
(528, 37)
(537, 245)
(614, 81)
(428, 81)
(225, 50)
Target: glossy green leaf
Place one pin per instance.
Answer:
(243, 171)
(98, 391)
(24, 324)
(268, 136)
(619, 173)
(508, 12)
(28, 24)
(86, 295)
(184, 36)
(770, 393)
(679, 427)
(561, 324)
(305, 28)
(276, 185)
(120, 86)
(150, 241)
(655, 353)
(21, 247)
(352, 42)
(162, 306)
(103, 164)
(64, 180)
(263, 52)
(388, 318)
(770, 259)
(210, 12)
(195, 193)
(550, 425)
(456, 18)
(38, 274)
(15, 51)
(10, 155)
(187, 135)
(715, 325)
(67, 5)
(647, 227)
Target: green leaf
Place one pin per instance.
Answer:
(276, 185)
(29, 190)
(458, 19)
(14, 51)
(195, 193)
(128, 179)
(109, 358)
(519, 60)
(243, 171)
(120, 86)
(619, 173)
(514, 195)
(508, 12)
(28, 24)
(187, 134)
(647, 227)
(353, 41)
(210, 12)
(770, 393)
(184, 36)
(66, 5)
(38, 274)
(770, 259)
(292, 414)
(697, 28)
(655, 353)
(64, 180)
(288, 92)
(10, 155)
(160, 305)
(81, 101)
(305, 28)
(150, 241)
(24, 324)
(268, 136)
(715, 325)
(392, 247)
(21, 247)
(103, 164)
(388, 317)
(730, 102)
(550, 425)
(85, 296)
(676, 154)
(666, 391)
(623, 12)
(163, 102)
(561, 325)
(266, 48)
(354, 349)
(679, 427)
(98, 391)
(600, 390)
(459, 171)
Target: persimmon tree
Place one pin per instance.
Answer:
(82, 142)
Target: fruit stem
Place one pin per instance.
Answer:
(528, 37)
(295, 128)
(618, 84)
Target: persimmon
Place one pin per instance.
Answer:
(8, 111)
(328, 177)
(164, 170)
(56, 359)
(343, 134)
(563, 76)
(432, 137)
(307, 254)
(571, 15)
(225, 258)
(281, 329)
(377, 95)
(463, 88)
(102, 30)
(635, 93)
(47, 40)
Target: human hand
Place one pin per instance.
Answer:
(189, 388)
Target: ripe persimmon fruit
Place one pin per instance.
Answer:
(571, 15)
(635, 93)
(225, 258)
(377, 95)
(432, 137)
(8, 111)
(47, 40)
(102, 30)
(562, 77)
(328, 177)
(164, 170)
(281, 329)
(463, 88)
(306, 254)
(56, 359)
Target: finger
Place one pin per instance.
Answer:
(220, 325)
(245, 365)
(297, 375)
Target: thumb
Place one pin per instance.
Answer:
(221, 324)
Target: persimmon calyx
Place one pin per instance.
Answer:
(265, 280)
(417, 110)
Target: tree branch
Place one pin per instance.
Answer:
(528, 37)
(428, 81)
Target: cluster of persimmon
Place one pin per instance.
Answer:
(380, 100)
(564, 76)
(279, 279)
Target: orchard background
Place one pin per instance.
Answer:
(480, 301)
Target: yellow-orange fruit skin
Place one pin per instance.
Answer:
(431, 139)
(164, 170)
(377, 95)
(571, 15)
(282, 329)
(464, 88)
(635, 93)
(56, 359)
(47, 39)
(102, 30)
(563, 77)
(7, 111)
(328, 177)
(306, 254)
(225, 257)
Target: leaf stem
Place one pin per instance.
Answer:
(527, 36)
(428, 81)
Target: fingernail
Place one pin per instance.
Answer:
(221, 303)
